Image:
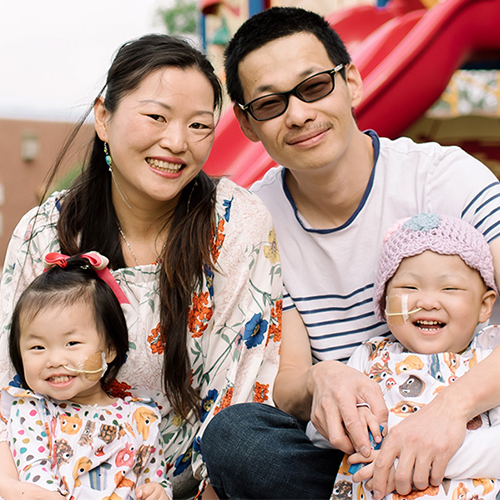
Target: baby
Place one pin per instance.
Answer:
(435, 287)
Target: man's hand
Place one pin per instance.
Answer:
(326, 392)
(423, 442)
(336, 390)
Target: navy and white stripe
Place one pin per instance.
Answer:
(329, 273)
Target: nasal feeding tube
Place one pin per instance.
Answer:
(93, 367)
(396, 309)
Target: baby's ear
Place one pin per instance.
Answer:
(489, 298)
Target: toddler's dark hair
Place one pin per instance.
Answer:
(76, 282)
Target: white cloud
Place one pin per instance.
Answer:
(54, 54)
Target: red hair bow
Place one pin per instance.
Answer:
(98, 262)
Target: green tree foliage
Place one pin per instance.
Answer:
(181, 18)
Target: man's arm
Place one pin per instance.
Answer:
(326, 393)
(290, 386)
(425, 441)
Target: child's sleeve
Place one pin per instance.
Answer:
(155, 468)
(478, 457)
(30, 442)
(359, 358)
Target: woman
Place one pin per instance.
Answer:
(197, 260)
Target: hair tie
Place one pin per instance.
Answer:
(97, 261)
(55, 259)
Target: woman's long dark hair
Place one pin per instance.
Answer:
(77, 282)
(88, 220)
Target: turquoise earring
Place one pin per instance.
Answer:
(108, 159)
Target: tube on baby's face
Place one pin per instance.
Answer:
(397, 310)
(94, 367)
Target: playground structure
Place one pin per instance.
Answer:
(406, 55)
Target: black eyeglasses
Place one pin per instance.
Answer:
(311, 89)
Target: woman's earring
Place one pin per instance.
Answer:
(107, 156)
(109, 161)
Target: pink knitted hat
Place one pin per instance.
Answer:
(439, 233)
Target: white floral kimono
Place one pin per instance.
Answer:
(234, 323)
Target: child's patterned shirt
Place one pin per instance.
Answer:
(84, 451)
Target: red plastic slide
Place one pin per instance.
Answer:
(406, 55)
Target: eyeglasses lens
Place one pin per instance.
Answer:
(312, 89)
(268, 107)
(315, 88)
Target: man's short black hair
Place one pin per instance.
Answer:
(272, 24)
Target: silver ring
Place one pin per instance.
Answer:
(366, 405)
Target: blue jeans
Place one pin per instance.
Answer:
(253, 450)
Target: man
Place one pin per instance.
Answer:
(337, 192)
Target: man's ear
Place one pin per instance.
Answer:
(245, 125)
(355, 84)
(101, 116)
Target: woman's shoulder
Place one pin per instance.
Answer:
(38, 225)
(34, 236)
(47, 213)
(242, 224)
(236, 202)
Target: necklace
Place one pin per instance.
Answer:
(127, 243)
(158, 258)
(115, 182)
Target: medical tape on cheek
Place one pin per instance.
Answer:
(93, 367)
(404, 307)
(396, 310)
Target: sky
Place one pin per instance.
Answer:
(54, 54)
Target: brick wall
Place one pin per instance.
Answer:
(28, 150)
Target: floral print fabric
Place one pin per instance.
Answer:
(234, 323)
